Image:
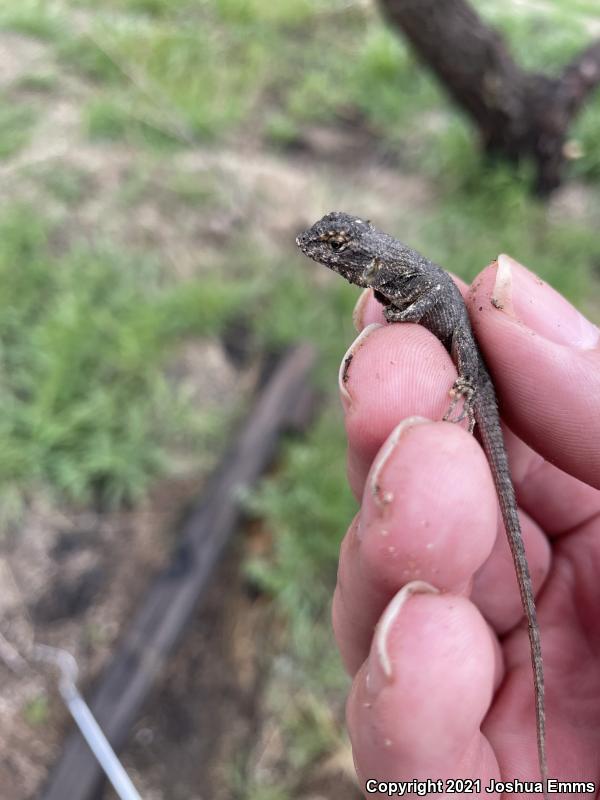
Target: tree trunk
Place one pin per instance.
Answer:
(519, 114)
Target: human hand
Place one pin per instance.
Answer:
(444, 687)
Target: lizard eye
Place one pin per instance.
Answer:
(336, 245)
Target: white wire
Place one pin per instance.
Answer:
(86, 722)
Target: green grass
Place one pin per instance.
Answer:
(585, 134)
(188, 68)
(307, 507)
(87, 410)
(558, 34)
(190, 190)
(36, 711)
(311, 495)
(16, 122)
(487, 209)
(36, 18)
(156, 8)
(281, 130)
(38, 82)
(175, 71)
(114, 120)
(67, 183)
(81, 55)
(175, 79)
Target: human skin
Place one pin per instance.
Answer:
(444, 687)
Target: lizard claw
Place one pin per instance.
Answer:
(462, 389)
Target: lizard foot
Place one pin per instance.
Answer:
(392, 314)
(462, 389)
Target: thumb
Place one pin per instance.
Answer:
(544, 357)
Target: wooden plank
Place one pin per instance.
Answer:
(285, 401)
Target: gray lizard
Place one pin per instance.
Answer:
(413, 289)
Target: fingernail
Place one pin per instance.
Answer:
(380, 669)
(382, 497)
(359, 309)
(347, 360)
(521, 294)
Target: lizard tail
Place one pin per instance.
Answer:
(490, 432)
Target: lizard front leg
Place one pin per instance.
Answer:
(419, 303)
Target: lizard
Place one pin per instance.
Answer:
(412, 288)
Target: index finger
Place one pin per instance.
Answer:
(545, 360)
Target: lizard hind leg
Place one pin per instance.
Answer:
(464, 390)
(465, 355)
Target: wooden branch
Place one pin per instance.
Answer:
(518, 114)
(468, 57)
(286, 400)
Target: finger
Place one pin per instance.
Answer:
(367, 311)
(558, 502)
(495, 589)
(417, 705)
(428, 513)
(388, 374)
(545, 360)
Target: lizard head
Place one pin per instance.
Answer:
(344, 243)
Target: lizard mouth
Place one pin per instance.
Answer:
(303, 243)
